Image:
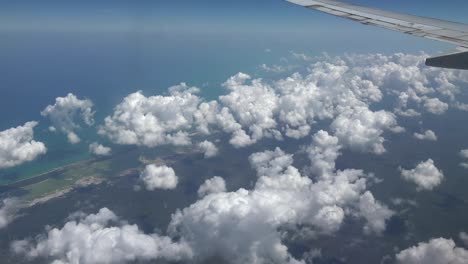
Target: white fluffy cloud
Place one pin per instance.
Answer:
(435, 106)
(253, 106)
(66, 113)
(426, 175)
(341, 91)
(8, 208)
(155, 120)
(99, 150)
(427, 135)
(436, 251)
(159, 177)
(208, 148)
(93, 240)
(244, 225)
(323, 153)
(362, 129)
(213, 185)
(18, 146)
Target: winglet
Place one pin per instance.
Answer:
(457, 59)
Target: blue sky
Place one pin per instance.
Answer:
(202, 15)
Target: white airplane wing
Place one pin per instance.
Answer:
(450, 32)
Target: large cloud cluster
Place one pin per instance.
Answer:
(343, 91)
(93, 240)
(436, 251)
(290, 107)
(18, 146)
(417, 87)
(253, 109)
(243, 226)
(66, 113)
(426, 175)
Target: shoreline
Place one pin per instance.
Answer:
(43, 176)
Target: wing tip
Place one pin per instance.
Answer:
(458, 61)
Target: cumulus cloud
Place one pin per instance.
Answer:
(436, 251)
(208, 148)
(253, 107)
(93, 240)
(435, 106)
(426, 175)
(464, 156)
(66, 114)
(362, 129)
(342, 91)
(99, 150)
(427, 135)
(374, 212)
(291, 106)
(155, 120)
(18, 146)
(213, 185)
(8, 209)
(159, 177)
(323, 153)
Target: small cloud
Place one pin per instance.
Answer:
(8, 209)
(428, 135)
(426, 175)
(208, 149)
(159, 177)
(213, 185)
(99, 150)
(464, 156)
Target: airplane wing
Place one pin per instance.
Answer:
(450, 32)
